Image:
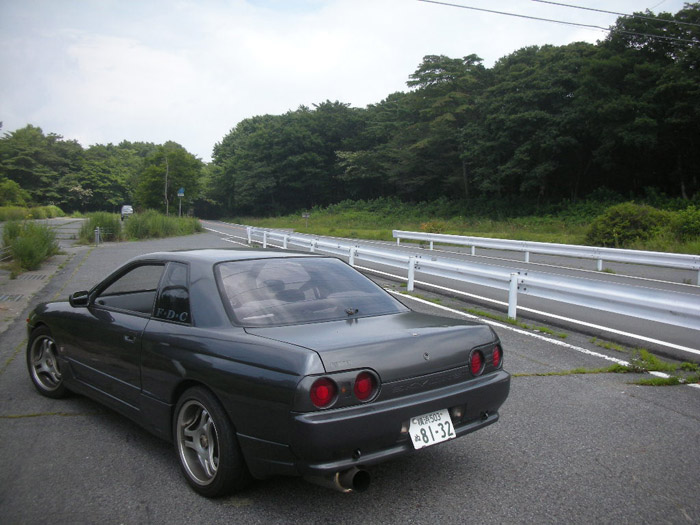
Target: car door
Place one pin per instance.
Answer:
(106, 354)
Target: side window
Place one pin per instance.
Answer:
(173, 303)
(134, 291)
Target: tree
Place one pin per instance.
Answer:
(183, 170)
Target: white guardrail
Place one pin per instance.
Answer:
(669, 260)
(674, 308)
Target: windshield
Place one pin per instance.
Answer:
(271, 292)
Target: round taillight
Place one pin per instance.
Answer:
(497, 355)
(323, 392)
(476, 363)
(364, 386)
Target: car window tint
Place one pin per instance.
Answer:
(173, 303)
(134, 291)
(271, 292)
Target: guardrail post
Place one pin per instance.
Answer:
(312, 247)
(600, 265)
(698, 277)
(97, 235)
(351, 257)
(431, 245)
(250, 235)
(398, 241)
(264, 239)
(284, 242)
(527, 257)
(513, 296)
(411, 273)
(473, 250)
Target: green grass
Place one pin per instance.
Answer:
(607, 345)
(659, 381)
(567, 224)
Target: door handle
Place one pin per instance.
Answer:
(130, 338)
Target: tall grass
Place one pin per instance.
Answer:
(110, 225)
(150, 224)
(30, 244)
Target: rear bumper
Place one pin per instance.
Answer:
(326, 442)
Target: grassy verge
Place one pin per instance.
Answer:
(570, 224)
(30, 244)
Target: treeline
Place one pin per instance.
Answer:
(40, 169)
(543, 125)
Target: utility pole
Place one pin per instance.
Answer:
(166, 184)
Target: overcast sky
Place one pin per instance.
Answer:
(102, 71)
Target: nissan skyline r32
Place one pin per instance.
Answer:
(259, 363)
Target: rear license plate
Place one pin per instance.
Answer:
(430, 429)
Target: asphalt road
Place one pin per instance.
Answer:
(568, 449)
(673, 341)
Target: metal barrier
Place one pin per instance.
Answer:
(674, 308)
(668, 260)
(5, 253)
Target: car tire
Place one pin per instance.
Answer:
(42, 364)
(206, 445)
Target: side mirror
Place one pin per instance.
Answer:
(79, 299)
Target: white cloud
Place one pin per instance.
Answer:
(190, 71)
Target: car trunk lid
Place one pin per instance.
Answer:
(395, 346)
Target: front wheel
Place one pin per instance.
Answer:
(42, 364)
(206, 444)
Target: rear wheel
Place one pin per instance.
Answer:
(42, 364)
(206, 444)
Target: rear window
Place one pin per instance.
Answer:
(271, 292)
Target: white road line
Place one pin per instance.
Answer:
(228, 237)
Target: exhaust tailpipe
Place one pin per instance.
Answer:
(351, 480)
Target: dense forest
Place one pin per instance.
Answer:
(544, 125)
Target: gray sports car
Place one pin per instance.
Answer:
(263, 363)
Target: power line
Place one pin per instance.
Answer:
(642, 17)
(517, 15)
(563, 22)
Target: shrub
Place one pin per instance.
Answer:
(19, 213)
(624, 224)
(686, 224)
(13, 213)
(30, 243)
(109, 224)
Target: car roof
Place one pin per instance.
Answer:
(214, 256)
